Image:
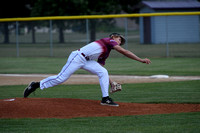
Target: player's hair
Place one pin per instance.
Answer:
(118, 35)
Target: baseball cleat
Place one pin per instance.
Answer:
(108, 101)
(30, 88)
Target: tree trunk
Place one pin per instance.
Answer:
(92, 30)
(33, 34)
(6, 33)
(61, 35)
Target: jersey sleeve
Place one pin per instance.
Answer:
(112, 43)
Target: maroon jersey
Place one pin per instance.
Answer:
(99, 49)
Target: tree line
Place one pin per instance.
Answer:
(35, 8)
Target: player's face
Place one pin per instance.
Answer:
(118, 40)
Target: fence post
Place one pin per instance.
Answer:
(126, 32)
(87, 31)
(50, 36)
(17, 38)
(167, 42)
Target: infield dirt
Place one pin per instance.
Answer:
(71, 108)
(25, 79)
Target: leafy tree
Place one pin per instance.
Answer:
(59, 8)
(130, 6)
(25, 8)
(75, 7)
(99, 8)
(109, 7)
(12, 9)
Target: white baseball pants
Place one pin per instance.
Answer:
(77, 61)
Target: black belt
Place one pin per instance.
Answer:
(86, 57)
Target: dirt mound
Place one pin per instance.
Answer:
(71, 108)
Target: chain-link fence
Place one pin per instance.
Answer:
(57, 38)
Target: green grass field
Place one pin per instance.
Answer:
(168, 92)
(33, 58)
(166, 123)
(121, 65)
(62, 50)
(165, 92)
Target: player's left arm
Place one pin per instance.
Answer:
(131, 55)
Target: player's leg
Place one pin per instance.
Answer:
(102, 73)
(68, 69)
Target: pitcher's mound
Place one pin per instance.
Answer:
(70, 108)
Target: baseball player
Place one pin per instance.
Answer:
(90, 57)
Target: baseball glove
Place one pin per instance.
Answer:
(115, 87)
